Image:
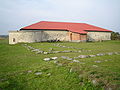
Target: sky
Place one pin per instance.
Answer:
(15, 14)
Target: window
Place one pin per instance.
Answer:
(13, 39)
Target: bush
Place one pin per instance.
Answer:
(115, 36)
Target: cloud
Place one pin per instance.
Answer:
(15, 14)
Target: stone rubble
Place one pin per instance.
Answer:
(52, 51)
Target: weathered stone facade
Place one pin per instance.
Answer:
(45, 35)
(98, 36)
(36, 36)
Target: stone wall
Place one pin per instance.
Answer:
(37, 36)
(21, 36)
(55, 35)
(98, 36)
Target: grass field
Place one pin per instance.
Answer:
(18, 67)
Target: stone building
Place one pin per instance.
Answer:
(62, 31)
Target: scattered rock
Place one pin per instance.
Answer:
(39, 52)
(54, 58)
(64, 57)
(49, 74)
(56, 51)
(92, 55)
(67, 51)
(110, 53)
(38, 73)
(100, 54)
(35, 50)
(76, 61)
(83, 56)
(79, 51)
(46, 59)
(29, 71)
(94, 82)
(55, 61)
(69, 58)
(98, 61)
(45, 52)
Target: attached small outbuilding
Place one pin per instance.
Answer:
(62, 31)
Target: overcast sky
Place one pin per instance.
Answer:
(15, 14)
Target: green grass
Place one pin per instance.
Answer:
(16, 62)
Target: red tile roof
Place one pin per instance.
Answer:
(73, 27)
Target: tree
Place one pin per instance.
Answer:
(115, 36)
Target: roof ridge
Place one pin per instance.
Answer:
(63, 22)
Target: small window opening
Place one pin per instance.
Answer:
(13, 39)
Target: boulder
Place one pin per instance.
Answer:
(54, 58)
(45, 52)
(38, 73)
(46, 59)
